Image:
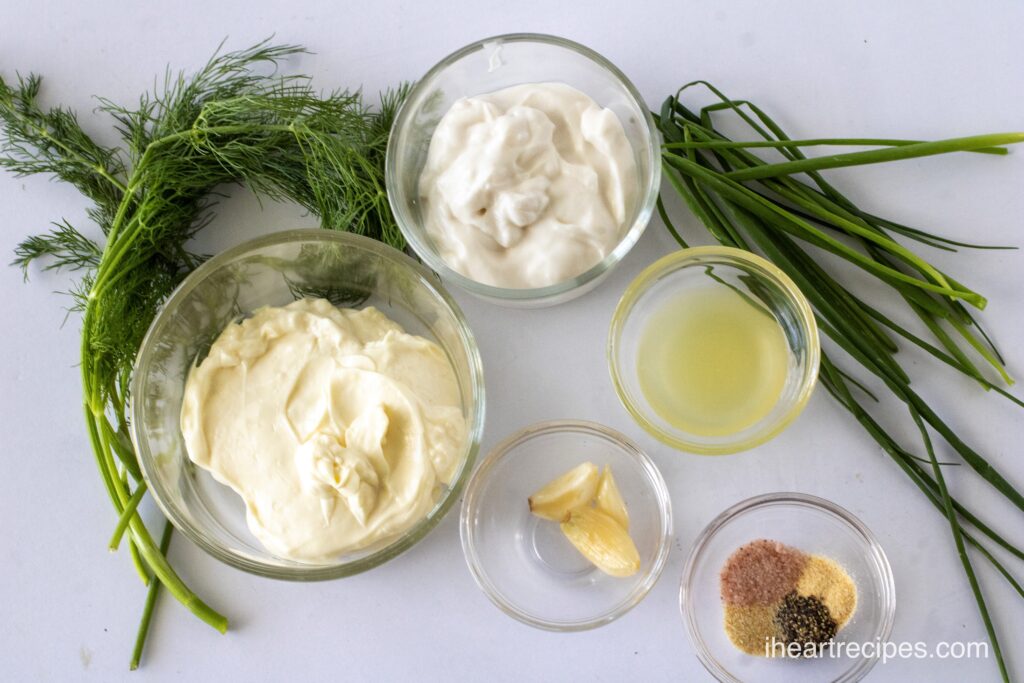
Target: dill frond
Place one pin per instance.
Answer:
(234, 121)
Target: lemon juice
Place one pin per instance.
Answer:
(712, 362)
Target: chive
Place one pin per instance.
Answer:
(874, 156)
(921, 235)
(816, 142)
(726, 186)
(669, 224)
(958, 540)
(737, 195)
(831, 378)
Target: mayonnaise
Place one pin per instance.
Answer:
(527, 186)
(334, 426)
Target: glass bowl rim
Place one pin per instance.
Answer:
(645, 203)
(757, 266)
(662, 499)
(312, 572)
(792, 499)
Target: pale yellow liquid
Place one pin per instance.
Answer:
(712, 363)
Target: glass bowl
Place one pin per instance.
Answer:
(817, 527)
(275, 270)
(499, 62)
(523, 563)
(701, 269)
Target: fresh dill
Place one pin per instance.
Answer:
(235, 121)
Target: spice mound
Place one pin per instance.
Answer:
(780, 601)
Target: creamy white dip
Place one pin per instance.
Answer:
(527, 186)
(334, 426)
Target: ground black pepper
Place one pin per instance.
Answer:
(805, 620)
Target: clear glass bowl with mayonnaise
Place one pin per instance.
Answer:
(522, 168)
(347, 270)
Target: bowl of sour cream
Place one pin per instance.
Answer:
(307, 405)
(522, 168)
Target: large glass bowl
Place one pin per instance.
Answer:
(524, 564)
(694, 271)
(815, 526)
(492, 64)
(275, 270)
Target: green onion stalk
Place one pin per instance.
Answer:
(787, 212)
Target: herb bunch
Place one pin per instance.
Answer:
(746, 202)
(227, 124)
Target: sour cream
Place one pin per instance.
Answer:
(527, 186)
(335, 426)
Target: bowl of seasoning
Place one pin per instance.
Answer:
(787, 587)
(545, 541)
(713, 350)
(522, 168)
(307, 405)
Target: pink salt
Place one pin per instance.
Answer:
(761, 572)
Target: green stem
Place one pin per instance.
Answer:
(140, 536)
(832, 379)
(133, 551)
(813, 142)
(119, 244)
(147, 609)
(95, 168)
(756, 204)
(127, 514)
(876, 156)
(958, 539)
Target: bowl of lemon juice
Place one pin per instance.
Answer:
(713, 350)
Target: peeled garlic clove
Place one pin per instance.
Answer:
(603, 541)
(561, 496)
(609, 499)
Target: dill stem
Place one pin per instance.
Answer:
(137, 561)
(68, 151)
(126, 515)
(117, 245)
(147, 609)
(152, 556)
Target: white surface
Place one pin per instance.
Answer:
(910, 69)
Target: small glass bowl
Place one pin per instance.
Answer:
(815, 526)
(274, 270)
(702, 268)
(523, 563)
(492, 64)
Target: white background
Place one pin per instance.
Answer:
(901, 69)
